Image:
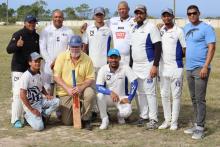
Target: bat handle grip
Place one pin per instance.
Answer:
(74, 78)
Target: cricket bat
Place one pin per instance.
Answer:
(76, 106)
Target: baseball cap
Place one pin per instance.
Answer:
(75, 40)
(99, 10)
(141, 8)
(35, 56)
(30, 18)
(167, 10)
(113, 52)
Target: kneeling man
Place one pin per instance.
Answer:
(36, 107)
(110, 86)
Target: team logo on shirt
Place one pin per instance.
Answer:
(108, 77)
(34, 94)
(190, 32)
(91, 33)
(120, 35)
(121, 28)
(178, 83)
(16, 78)
(149, 81)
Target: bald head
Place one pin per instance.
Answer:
(123, 10)
(57, 18)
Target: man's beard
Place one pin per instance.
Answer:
(75, 55)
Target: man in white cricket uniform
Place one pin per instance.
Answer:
(53, 40)
(110, 86)
(97, 39)
(31, 93)
(146, 53)
(120, 27)
(171, 69)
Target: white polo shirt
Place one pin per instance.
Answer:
(121, 34)
(173, 41)
(115, 81)
(33, 83)
(99, 43)
(142, 40)
(53, 41)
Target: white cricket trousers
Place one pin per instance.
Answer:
(45, 107)
(147, 98)
(105, 101)
(16, 106)
(171, 85)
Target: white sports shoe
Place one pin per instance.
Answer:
(105, 122)
(174, 126)
(121, 120)
(164, 125)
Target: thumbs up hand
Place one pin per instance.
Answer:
(20, 42)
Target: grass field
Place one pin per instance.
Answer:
(116, 135)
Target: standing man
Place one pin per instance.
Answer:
(75, 59)
(171, 69)
(36, 106)
(146, 53)
(23, 42)
(200, 42)
(120, 27)
(53, 40)
(97, 39)
(110, 86)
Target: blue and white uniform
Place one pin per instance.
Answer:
(171, 71)
(121, 36)
(33, 84)
(142, 39)
(108, 81)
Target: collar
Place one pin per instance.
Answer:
(33, 73)
(170, 30)
(123, 20)
(54, 28)
(143, 24)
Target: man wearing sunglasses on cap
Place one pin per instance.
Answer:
(200, 49)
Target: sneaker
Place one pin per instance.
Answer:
(152, 125)
(18, 124)
(140, 122)
(164, 125)
(174, 126)
(105, 122)
(190, 130)
(198, 134)
(121, 120)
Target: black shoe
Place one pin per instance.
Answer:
(94, 116)
(45, 119)
(87, 125)
(140, 122)
(26, 123)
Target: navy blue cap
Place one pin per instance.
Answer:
(141, 8)
(30, 18)
(113, 51)
(75, 40)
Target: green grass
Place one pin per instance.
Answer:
(116, 135)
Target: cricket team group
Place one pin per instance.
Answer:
(143, 55)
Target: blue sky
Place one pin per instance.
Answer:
(207, 7)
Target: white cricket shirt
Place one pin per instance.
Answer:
(142, 40)
(173, 41)
(115, 81)
(99, 43)
(33, 83)
(53, 41)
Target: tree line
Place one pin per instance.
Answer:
(38, 8)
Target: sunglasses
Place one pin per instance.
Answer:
(192, 13)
